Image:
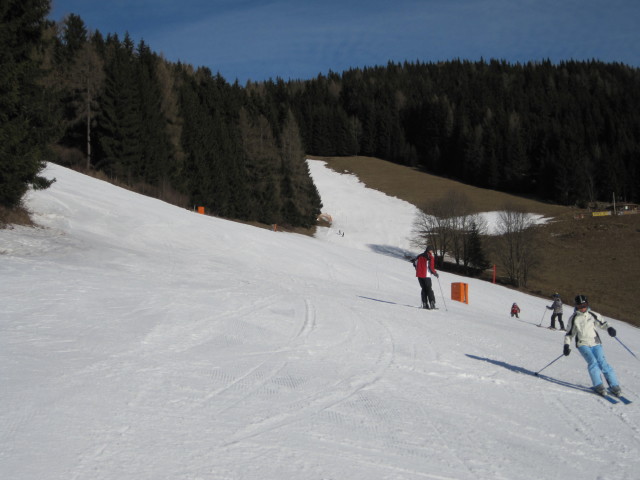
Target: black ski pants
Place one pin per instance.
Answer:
(428, 297)
(553, 320)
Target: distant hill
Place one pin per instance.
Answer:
(594, 256)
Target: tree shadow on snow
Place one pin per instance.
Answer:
(390, 251)
(525, 371)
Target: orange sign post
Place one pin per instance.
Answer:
(460, 292)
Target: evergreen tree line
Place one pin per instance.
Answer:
(26, 122)
(179, 133)
(567, 133)
(165, 129)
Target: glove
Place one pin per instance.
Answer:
(566, 350)
(612, 331)
(437, 275)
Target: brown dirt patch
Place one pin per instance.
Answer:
(595, 256)
(14, 216)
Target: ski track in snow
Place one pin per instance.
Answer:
(143, 341)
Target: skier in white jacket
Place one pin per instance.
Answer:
(582, 326)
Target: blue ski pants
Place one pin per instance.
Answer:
(597, 365)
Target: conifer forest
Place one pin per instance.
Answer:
(567, 133)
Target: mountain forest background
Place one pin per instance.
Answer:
(567, 133)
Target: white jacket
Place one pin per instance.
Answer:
(583, 327)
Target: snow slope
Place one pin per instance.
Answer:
(142, 341)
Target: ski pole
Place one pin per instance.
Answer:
(543, 314)
(549, 364)
(626, 348)
(442, 294)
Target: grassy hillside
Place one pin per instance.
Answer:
(595, 256)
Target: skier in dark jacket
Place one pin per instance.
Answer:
(557, 308)
(582, 326)
(425, 265)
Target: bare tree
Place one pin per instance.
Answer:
(462, 220)
(263, 162)
(517, 245)
(257, 137)
(355, 126)
(446, 224)
(292, 149)
(86, 77)
(170, 105)
(432, 226)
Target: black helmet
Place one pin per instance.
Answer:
(581, 301)
(556, 295)
(429, 248)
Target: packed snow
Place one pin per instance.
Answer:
(139, 340)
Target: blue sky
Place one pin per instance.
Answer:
(299, 39)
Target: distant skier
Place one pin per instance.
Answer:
(425, 265)
(557, 308)
(515, 310)
(582, 325)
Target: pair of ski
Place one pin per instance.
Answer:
(560, 329)
(611, 398)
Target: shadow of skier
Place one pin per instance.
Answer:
(525, 371)
(387, 301)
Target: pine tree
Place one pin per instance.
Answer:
(24, 135)
(475, 258)
(153, 139)
(82, 73)
(119, 122)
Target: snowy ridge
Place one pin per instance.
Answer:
(142, 341)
